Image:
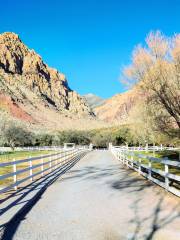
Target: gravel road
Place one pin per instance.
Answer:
(99, 199)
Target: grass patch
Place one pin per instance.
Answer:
(172, 155)
(18, 155)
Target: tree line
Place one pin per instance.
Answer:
(17, 136)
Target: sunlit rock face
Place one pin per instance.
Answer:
(25, 77)
(117, 108)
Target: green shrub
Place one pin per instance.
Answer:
(15, 136)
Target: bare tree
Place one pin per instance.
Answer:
(155, 69)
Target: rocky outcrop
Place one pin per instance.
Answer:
(9, 105)
(23, 70)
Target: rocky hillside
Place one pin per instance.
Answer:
(117, 109)
(32, 91)
(93, 100)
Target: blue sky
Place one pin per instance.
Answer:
(89, 41)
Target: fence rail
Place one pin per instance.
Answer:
(143, 165)
(43, 164)
(39, 148)
(147, 148)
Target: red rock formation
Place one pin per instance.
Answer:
(11, 107)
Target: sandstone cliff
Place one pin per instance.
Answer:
(117, 109)
(21, 66)
(30, 89)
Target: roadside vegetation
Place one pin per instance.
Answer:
(17, 136)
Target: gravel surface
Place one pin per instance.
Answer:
(99, 199)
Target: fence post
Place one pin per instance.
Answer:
(71, 155)
(30, 169)
(50, 163)
(139, 168)
(166, 175)
(56, 162)
(122, 157)
(61, 157)
(15, 176)
(149, 169)
(132, 159)
(153, 149)
(65, 156)
(127, 162)
(68, 155)
(42, 166)
(123, 160)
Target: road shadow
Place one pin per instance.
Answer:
(8, 230)
(165, 207)
(158, 219)
(116, 177)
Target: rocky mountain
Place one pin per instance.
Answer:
(32, 91)
(93, 100)
(116, 110)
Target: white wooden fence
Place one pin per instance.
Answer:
(39, 148)
(164, 177)
(36, 167)
(147, 148)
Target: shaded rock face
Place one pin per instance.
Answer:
(20, 66)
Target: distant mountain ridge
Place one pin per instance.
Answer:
(93, 100)
(117, 109)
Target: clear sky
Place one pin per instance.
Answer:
(88, 40)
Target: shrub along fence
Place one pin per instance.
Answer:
(162, 171)
(17, 172)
